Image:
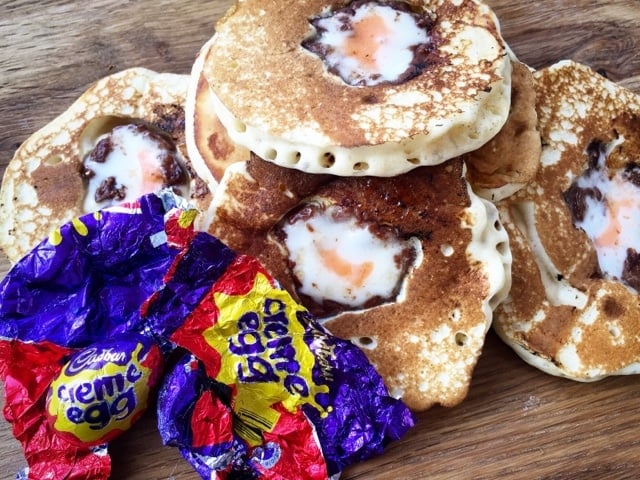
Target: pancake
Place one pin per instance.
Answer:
(208, 144)
(124, 136)
(510, 160)
(300, 84)
(573, 310)
(409, 267)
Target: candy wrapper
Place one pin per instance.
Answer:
(103, 389)
(88, 318)
(76, 362)
(267, 392)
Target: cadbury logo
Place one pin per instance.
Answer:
(90, 356)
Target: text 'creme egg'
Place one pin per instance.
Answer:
(103, 389)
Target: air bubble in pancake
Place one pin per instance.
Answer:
(447, 250)
(360, 166)
(461, 339)
(271, 154)
(365, 342)
(239, 126)
(328, 160)
(53, 160)
(503, 248)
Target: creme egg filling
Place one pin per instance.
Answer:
(607, 208)
(336, 258)
(371, 43)
(128, 162)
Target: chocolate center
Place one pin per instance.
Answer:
(131, 160)
(338, 259)
(373, 42)
(606, 206)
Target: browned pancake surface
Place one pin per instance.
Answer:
(563, 315)
(426, 343)
(43, 187)
(512, 157)
(277, 99)
(209, 146)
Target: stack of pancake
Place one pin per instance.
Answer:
(387, 161)
(388, 157)
(336, 134)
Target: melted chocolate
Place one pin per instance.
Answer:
(173, 173)
(307, 211)
(405, 206)
(595, 151)
(102, 149)
(632, 173)
(577, 198)
(631, 269)
(161, 138)
(99, 155)
(170, 120)
(109, 190)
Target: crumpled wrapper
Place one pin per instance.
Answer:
(263, 390)
(82, 286)
(267, 392)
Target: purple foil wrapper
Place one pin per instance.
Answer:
(317, 404)
(248, 335)
(82, 287)
(88, 281)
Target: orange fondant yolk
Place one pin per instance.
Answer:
(368, 35)
(356, 275)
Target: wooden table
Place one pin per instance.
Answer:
(516, 422)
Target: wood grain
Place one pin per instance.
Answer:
(517, 422)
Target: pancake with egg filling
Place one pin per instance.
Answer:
(573, 310)
(510, 160)
(407, 267)
(123, 137)
(359, 88)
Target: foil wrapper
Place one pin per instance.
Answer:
(266, 391)
(262, 391)
(104, 389)
(77, 290)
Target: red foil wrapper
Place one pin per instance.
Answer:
(79, 289)
(267, 392)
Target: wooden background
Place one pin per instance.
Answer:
(517, 422)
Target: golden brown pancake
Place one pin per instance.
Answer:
(54, 175)
(573, 309)
(208, 144)
(325, 238)
(275, 90)
(511, 159)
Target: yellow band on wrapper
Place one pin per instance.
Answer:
(264, 354)
(101, 391)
